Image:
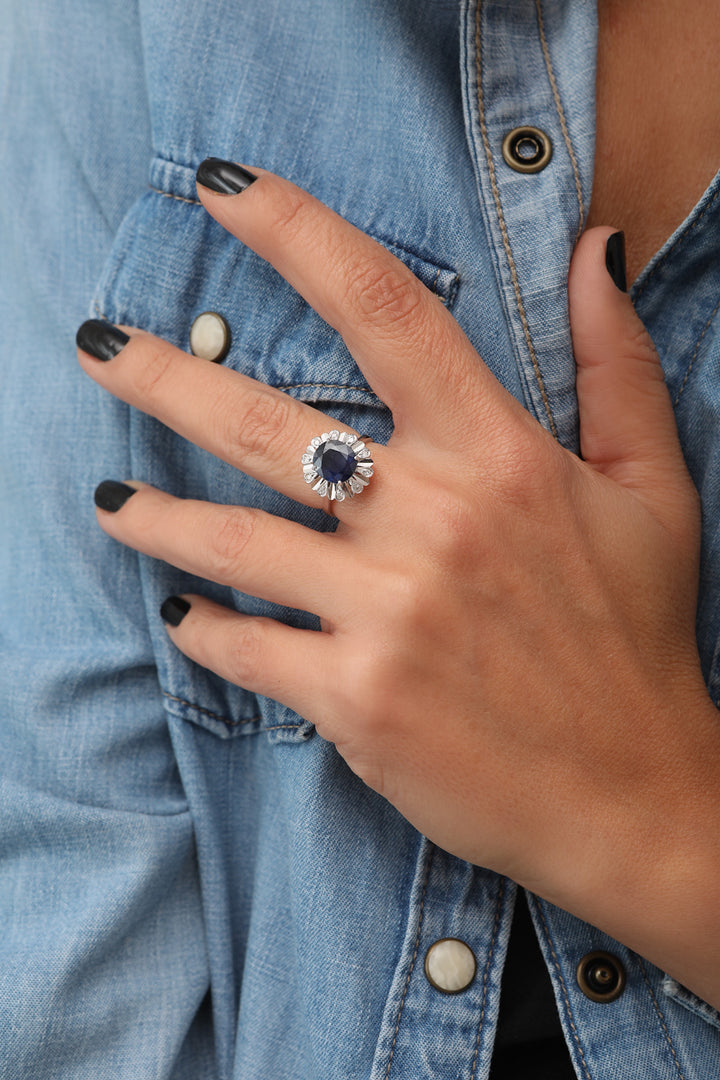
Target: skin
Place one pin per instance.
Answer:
(657, 141)
(593, 780)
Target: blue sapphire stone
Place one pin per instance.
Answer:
(334, 461)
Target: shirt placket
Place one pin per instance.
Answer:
(529, 99)
(528, 95)
(442, 1008)
(532, 218)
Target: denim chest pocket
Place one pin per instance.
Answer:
(169, 263)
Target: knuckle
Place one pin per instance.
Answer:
(642, 346)
(408, 597)
(527, 470)
(149, 376)
(293, 216)
(228, 540)
(519, 474)
(455, 528)
(385, 293)
(265, 419)
(247, 650)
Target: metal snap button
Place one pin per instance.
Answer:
(450, 965)
(601, 976)
(210, 337)
(527, 149)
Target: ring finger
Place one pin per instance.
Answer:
(256, 428)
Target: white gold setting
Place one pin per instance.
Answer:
(337, 464)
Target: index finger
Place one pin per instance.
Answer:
(412, 351)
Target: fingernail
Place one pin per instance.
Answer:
(615, 259)
(224, 177)
(174, 610)
(101, 339)
(111, 495)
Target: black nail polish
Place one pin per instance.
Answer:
(615, 259)
(174, 610)
(111, 495)
(101, 339)
(224, 177)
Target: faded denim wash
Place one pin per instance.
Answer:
(193, 885)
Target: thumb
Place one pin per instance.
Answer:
(627, 425)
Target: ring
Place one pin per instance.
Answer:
(337, 464)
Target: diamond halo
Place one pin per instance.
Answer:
(337, 464)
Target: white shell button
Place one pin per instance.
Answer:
(450, 965)
(210, 336)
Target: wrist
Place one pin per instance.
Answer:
(652, 876)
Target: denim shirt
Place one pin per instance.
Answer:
(192, 882)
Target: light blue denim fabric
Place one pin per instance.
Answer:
(193, 886)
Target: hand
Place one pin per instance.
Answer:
(514, 625)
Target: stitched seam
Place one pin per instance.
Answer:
(697, 350)
(281, 727)
(209, 712)
(432, 287)
(188, 166)
(169, 195)
(224, 720)
(564, 992)
(503, 227)
(412, 962)
(412, 252)
(434, 291)
(561, 114)
(661, 1018)
(486, 973)
(683, 235)
(324, 386)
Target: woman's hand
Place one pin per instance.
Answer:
(508, 650)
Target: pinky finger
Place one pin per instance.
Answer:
(261, 655)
